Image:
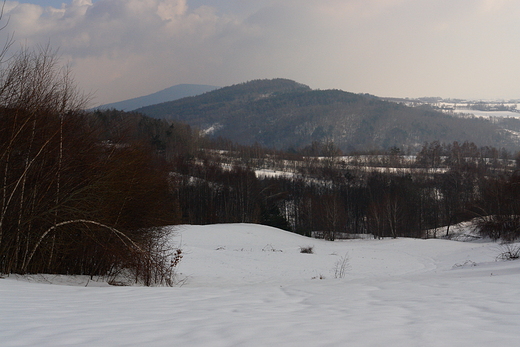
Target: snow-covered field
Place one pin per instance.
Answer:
(249, 285)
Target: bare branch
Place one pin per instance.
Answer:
(118, 233)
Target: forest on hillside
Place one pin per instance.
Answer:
(286, 115)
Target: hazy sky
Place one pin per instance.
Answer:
(120, 49)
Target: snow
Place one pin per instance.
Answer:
(249, 285)
(212, 129)
(488, 114)
(267, 173)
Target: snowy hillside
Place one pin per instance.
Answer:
(249, 285)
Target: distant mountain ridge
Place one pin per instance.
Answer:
(284, 114)
(176, 92)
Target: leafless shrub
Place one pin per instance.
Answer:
(341, 266)
(509, 251)
(270, 248)
(307, 249)
(157, 263)
(504, 227)
(467, 263)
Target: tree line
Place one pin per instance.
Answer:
(385, 195)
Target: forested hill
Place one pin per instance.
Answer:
(285, 114)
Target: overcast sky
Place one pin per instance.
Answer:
(121, 49)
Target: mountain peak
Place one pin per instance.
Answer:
(175, 92)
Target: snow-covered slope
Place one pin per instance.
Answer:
(249, 285)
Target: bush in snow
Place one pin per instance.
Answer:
(307, 249)
(505, 227)
(342, 266)
(509, 251)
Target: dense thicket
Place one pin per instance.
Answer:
(75, 198)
